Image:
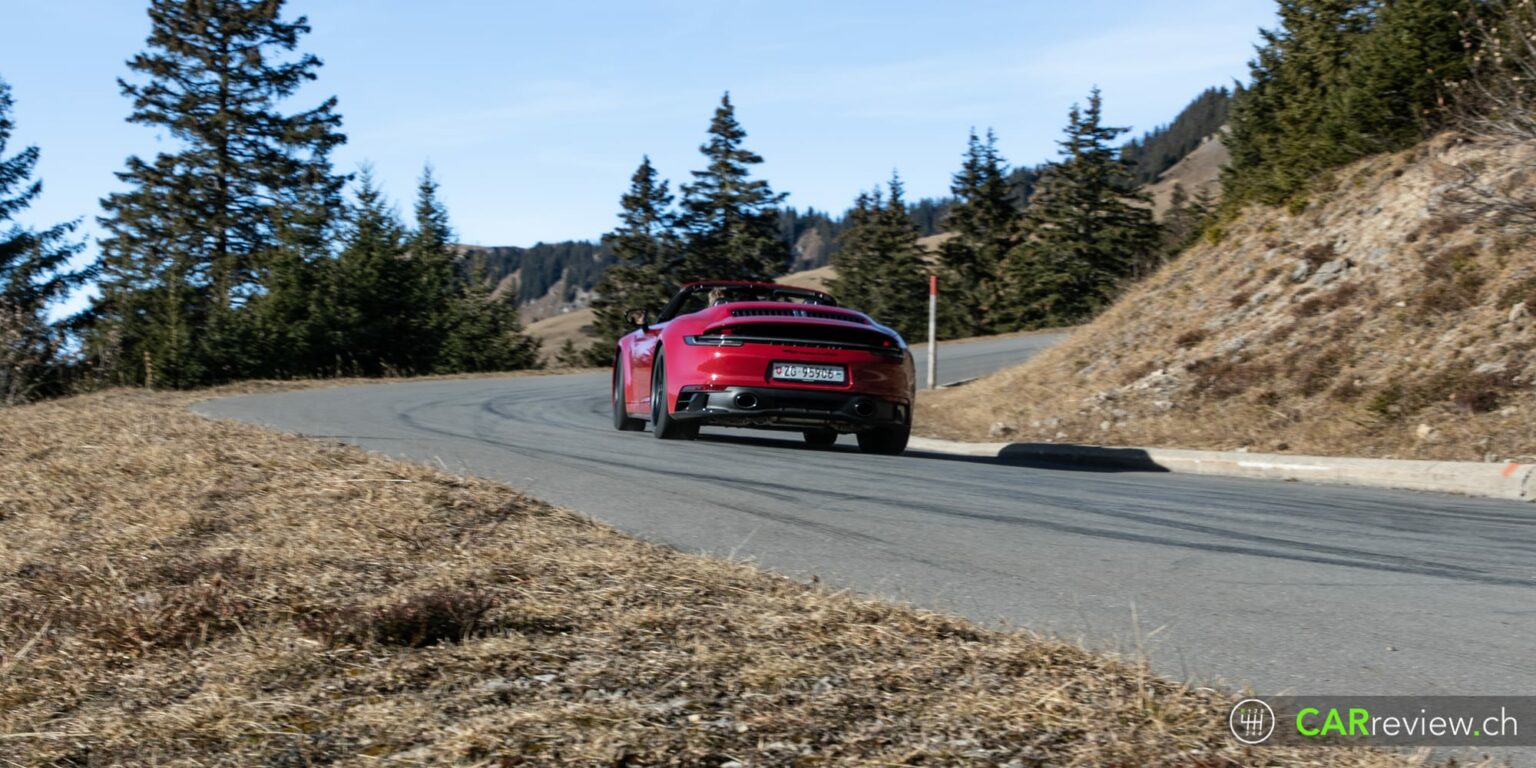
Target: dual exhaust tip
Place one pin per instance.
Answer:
(863, 407)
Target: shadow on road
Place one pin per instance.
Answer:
(1096, 459)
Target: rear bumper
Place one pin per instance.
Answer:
(776, 408)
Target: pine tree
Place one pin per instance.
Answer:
(729, 220)
(880, 267)
(377, 288)
(648, 252)
(438, 282)
(1184, 221)
(982, 218)
(484, 333)
(570, 356)
(1400, 71)
(34, 274)
(455, 323)
(1086, 229)
(1293, 122)
(191, 241)
(294, 321)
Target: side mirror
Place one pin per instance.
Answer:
(639, 318)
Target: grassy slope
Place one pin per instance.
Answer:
(1199, 170)
(175, 590)
(1410, 352)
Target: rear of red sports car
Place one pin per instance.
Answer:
(765, 356)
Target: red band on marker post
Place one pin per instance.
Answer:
(933, 285)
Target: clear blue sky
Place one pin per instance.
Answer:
(535, 114)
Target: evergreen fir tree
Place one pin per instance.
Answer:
(729, 220)
(1086, 230)
(648, 252)
(982, 218)
(192, 240)
(484, 333)
(294, 321)
(1307, 108)
(377, 288)
(438, 282)
(880, 267)
(34, 274)
(857, 262)
(1185, 220)
(570, 356)
(1399, 73)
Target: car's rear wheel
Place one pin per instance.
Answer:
(821, 438)
(663, 426)
(887, 441)
(622, 421)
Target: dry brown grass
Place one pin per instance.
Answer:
(188, 592)
(1409, 352)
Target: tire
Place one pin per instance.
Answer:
(886, 441)
(663, 426)
(622, 421)
(820, 438)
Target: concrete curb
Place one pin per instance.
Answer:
(1497, 481)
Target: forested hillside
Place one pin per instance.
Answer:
(1158, 149)
(526, 274)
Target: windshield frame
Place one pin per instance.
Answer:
(775, 292)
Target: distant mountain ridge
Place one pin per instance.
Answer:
(547, 279)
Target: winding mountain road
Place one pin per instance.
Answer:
(1281, 586)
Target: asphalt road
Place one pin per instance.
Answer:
(1280, 586)
(962, 361)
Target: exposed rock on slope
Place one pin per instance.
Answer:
(1383, 320)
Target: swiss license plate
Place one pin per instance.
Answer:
(821, 374)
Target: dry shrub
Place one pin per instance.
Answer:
(1135, 373)
(1454, 281)
(1438, 226)
(1318, 255)
(1465, 390)
(133, 605)
(1388, 403)
(1457, 387)
(1313, 373)
(1221, 379)
(1347, 391)
(1324, 303)
(1191, 338)
(448, 614)
(1521, 290)
(1497, 107)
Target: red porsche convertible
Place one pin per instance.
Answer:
(764, 356)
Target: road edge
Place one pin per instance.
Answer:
(1509, 481)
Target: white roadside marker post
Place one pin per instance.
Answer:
(933, 326)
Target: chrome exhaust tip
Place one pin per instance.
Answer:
(865, 408)
(745, 400)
